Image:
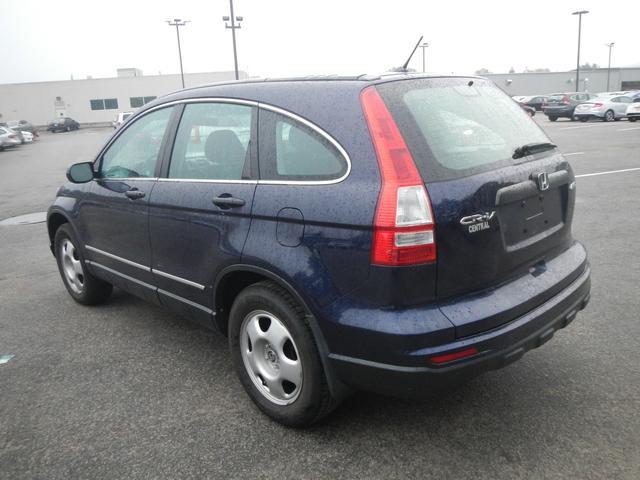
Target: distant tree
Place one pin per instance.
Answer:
(536, 70)
(482, 71)
(512, 70)
(589, 66)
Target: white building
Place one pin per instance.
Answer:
(591, 80)
(94, 100)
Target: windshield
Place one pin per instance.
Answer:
(455, 127)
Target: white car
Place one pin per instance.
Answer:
(633, 110)
(27, 136)
(606, 109)
(120, 119)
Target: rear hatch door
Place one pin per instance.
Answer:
(497, 217)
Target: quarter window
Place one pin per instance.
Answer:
(212, 142)
(135, 152)
(290, 150)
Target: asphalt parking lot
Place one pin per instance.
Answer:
(127, 390)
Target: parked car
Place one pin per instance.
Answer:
(530, 110)
(562, 105)
(63, 124)
(8, 138)
(606, 109)
(18, 133)
(633, 110)
(381, 233)
(23, 126)
(27, 136)
(120, 119)
(536, 102)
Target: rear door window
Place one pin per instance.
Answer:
(456, 127)
(293, 151)
(212, 142)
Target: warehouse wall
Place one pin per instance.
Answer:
(36, 102)
(556, 82)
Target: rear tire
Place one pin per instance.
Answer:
(583, 119)
(553, 119)
(83, 287)
(609, 116)
(276, 357)
(632, 119)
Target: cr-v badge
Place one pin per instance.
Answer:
(477, 222)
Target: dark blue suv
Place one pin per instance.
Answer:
(395, 233)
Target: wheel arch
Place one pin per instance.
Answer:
(55, 220)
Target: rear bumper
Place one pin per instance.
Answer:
(559, 112)
(589, 114)
(497, 348)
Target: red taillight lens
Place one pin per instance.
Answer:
(565, 100)
(450, 357)
(597, 105)
(403, 226)
(13, 135)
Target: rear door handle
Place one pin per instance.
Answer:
(134, 194)
(227, 201)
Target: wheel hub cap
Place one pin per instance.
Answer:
(71, 266)
(270, 357)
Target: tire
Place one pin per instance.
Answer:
(584, 119)
(282, 336)
(67, 129)
(83, 287)
(573, 118)
(632, 119)
(609, 116)
(553, 119)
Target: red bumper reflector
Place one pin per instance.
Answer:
(449, 357)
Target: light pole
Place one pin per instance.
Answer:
(610, 45)
(179, 23)
(424, 48)
(580, 13)
(233, 28)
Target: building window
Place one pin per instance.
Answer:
(137, 102)
(104, 104)
(97, 104)
(110, 103)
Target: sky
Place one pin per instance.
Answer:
(54, 40)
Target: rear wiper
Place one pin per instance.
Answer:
(531, 148)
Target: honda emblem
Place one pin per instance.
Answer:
(543, 181)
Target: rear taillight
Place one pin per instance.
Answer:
(597, 105)
(403, 229)
(565, 100)
(13, 135)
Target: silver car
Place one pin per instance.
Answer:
(604, 108)
(633, 110)
(8, 138)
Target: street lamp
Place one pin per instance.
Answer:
(580, 13)
(610, 45)
(179, 23)
(233, 28)
(424, 48)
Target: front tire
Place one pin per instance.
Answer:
(83, 287)
(276, 357)
(584, 119)
(553, 119)
(632, 119)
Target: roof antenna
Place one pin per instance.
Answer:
(406, 64)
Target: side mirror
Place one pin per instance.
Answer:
(80, 172)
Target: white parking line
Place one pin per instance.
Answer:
(627, 129)
(583, 126)
(607, 173)
(573, 153)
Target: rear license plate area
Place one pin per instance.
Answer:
(522, 221)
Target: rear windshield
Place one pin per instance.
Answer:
(457, 127)
(557, 98)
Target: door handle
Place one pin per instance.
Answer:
(134, 194)
(226, 200)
